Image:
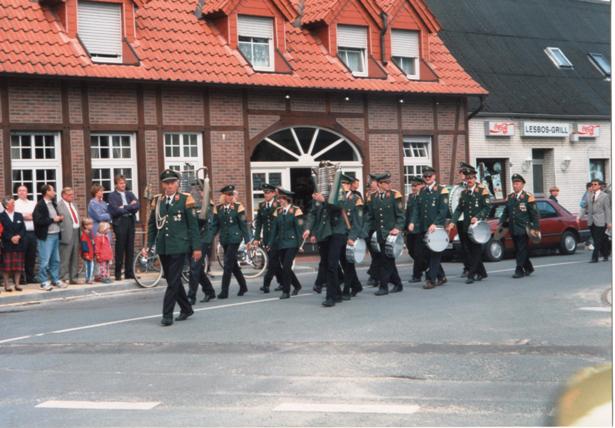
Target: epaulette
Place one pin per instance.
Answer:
(397, 194)
(190, 203)
(298, 212)
(368, 197)
(530, 198)
(155, 200)
(485, 191)
(239, 207)
(443, 190)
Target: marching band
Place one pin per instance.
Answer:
(342, 224)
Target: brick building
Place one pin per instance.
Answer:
(255, 90)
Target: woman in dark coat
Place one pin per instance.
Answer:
(13, 246)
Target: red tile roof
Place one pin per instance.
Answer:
(173, 45)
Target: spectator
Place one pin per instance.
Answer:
(69, 237)
(103, 251)
(585, 197)
(98, 209)
(87, 249)
(25, 207)
(554, 191)
(13, 235)
(123, 207)
(47, 230)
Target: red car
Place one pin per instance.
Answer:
(558, 226)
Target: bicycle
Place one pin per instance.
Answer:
(252, 262)
(148, 269)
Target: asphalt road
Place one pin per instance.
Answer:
(492, 353)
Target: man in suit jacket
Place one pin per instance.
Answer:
(598, 210)
(123, 207)
(69, 237)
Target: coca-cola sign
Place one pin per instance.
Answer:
(587, 130)
(499, 128)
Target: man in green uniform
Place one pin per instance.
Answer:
(521, 217)
(463, 169)
(415, 248)
(351, 210)
(385, 214)
(174, 229)
(286, 236)
(431, 212)
(230, 221)
(262, 233)
(474, 205)
(318, 229)
(372, 272)
(198, 275)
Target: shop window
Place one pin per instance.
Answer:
(597, 169)
(113, 155)
(99, 26)
(538, 171)
(256, 41)
(405, 52)
(560, 60)
(352, 48)
(492, 174)
(601, 63)
(417, 156)
(35, 161)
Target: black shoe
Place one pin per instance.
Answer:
(529, 271)
(118, 278)
(165, 322)
(265, 290)
(285, 296)
(382, 292)
(192, 300)
(356, 291)
(296, 291)
(606, 259)
(278, 288)
(129, 276)
(242, 291)
(470, 280)
(414, 280)
(372, 282)
(464, 274)
(518, 275)
(593, 261)
(328, 303)
(397, 289)
(441, 281)
(346, 297)
(317, 289)
(223, 296)
(480, 277)
(207, 298)
(338, 299)
(428, 285)
(184, 316)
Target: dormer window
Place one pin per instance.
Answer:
(99, 26)
(352, 48)
(255, 41)
(405, 52)
(560, 60)
(601, 63)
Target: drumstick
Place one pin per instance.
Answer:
(301, 246)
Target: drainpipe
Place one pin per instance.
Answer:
(385, 25)
(479, 108)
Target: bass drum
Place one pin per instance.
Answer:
(373, 242)
(356, 253)
(437, 241)
(453, 199)
(394, 246)
(479, 232)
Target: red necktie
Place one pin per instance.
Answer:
(72, 213)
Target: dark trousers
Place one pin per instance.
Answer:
(173, 264)
(432, 260)
(474, 255)
(465, 242)
(387, 269)
(598, 235)
(199, 276)
(337, 243)
(351, 280)
(124, 228)
(273, 268)
(286, 257)
(372, 271)
(522, 253)
(321, 276)
(30, 256)
(416, 249)
(232, 268)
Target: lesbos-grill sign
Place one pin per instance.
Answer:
(546, 129)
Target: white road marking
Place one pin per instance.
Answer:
(539, 266)
(99, 405)
(595, 309)
(14, 339)
(389, 409)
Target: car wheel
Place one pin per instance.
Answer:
(568, 244)
(494, 251)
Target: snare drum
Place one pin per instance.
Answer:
(437, 241)
(394, 246)
(373, 242)
(479, 232)
(356, 253)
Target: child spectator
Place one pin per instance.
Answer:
(87, 248)
(554, 191)
(103, 251)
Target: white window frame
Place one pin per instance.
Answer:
(557, 56)
(413, 163)
(183, 163)
(596, 59)
(256, 29)
(353, 38)
(102, 46)
(405, 46)
(34, 165)
(116, 165)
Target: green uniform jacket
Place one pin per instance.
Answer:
(411, 206)
(353, 205)
(180, 232)
(317, 221)
(231, 224)
(287, 229)
(206, 225)
(385, 213)
(263, 221)
(472, 203)
(519, 213)
(432, 208)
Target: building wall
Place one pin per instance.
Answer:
(517, 149)
(231, 121)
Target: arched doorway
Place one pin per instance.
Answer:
(286, 157)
